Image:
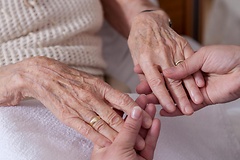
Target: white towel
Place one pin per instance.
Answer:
(31, 132)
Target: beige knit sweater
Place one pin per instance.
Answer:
(61, 29)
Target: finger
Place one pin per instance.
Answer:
(152, 99)
(110, 122)
(108, 115)
(151, 110)
(103, 128)
(128, 134)
(151, 140)
(197, 80)
(196, 107)
(198, 77)
(119, 112)
(193, 90)
(143, 87)
(186, 68)
(157, 84)
(124, 102)
(74, 106)
(140, 143)
(177, 87)
(137, 69)
(142, 101)
(179, 95)
(87, 131)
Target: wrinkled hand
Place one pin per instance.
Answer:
(74, 97)
(123, 146)
(154, 47)
(221, 69)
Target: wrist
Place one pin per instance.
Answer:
(152, 17)
(10, 93)
(152, 10)
(132, 8)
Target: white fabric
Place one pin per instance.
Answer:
(61, 29)
(30, 132)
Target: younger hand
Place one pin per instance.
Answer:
(122, 147)
(220, 65)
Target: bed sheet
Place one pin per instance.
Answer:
(30, 132)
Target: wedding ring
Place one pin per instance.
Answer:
(94, 120)
(178, 62)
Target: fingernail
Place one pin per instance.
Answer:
(136, 112)
(200, 83)
(148, 122)
(171, 108)
(140, 144)
(198, 99)
(188, 110)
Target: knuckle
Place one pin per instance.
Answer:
(144, 56)
(114, 119)
(155, 82)
(87, 97)
(100, 125)
(174, 83)
(125, 99)
(84, 130)
(185, 67)
(130, 127)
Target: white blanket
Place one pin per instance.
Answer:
(31, 132)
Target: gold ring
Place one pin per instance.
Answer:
(94, 120)
(178, 62)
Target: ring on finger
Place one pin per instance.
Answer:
(178, 62)
(94, 120)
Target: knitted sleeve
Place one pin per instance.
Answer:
(61, 29)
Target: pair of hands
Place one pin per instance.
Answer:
(221, 69)
(220, 65)
(193, 84)
(123, 147)
(154, 47)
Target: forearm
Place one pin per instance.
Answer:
(10, 85)
(120, 13)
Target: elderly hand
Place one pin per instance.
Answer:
(221, 69)
(74, 97)
(154, 47)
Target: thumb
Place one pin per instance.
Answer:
(186, 67)
(129, 132)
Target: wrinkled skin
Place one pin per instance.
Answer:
(220, 65)
(123, 146)
(74, 97)
(154, 47)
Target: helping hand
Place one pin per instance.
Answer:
(123, 145)
(154, 47)
(220, 65)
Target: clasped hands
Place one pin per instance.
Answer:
(154, 47)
